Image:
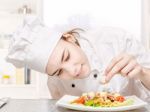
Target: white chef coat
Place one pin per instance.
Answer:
(102, 45)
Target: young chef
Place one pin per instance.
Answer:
(76, 59)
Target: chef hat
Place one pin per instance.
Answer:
(32, 44)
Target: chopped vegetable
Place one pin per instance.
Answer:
(80, 100)
(120, 98)
(102, 99)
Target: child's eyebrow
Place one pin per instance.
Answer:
(61, 61)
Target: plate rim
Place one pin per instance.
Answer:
(122, 108)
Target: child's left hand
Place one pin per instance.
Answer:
(124, 64)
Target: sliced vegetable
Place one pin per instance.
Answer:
(120, 98)
(80, 100)
(102, 99)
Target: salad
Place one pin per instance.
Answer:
(102, 99)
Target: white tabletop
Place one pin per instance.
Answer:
(43, 105)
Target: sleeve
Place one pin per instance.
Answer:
(55, 87)
(117, 40)
(122, 41)
(141, 91)
(136, 48)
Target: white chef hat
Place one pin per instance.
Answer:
(32, 45)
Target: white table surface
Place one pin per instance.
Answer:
(44, 105)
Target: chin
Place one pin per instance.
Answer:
(86, 74)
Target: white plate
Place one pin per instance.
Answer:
(64, 102)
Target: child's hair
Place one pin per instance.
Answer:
(75, 33)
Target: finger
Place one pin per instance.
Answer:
(112, 63)
(116, 69)
(135, 72)
(120, 64)
(128, 68)
(103, 79)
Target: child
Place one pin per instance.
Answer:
(76, 59)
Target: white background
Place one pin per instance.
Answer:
(117, 13)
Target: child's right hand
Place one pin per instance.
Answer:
(124, 64)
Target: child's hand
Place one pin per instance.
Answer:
(124, 64)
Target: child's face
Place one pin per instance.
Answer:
(68, 61)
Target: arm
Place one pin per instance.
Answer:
(131, 60)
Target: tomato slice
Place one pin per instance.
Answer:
(80, 100)
(120, 98)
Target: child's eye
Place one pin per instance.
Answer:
(68, 56)
(60, 72)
